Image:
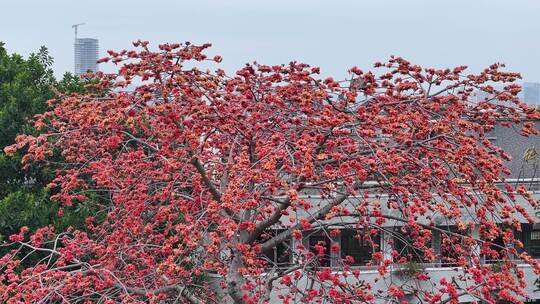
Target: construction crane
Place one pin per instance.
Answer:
(76, 26)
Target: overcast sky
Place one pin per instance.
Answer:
(334, 35)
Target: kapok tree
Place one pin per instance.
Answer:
(201, 173)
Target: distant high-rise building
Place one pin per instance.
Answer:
(86, 55)
(531, 93)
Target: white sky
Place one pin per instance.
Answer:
(334, 35)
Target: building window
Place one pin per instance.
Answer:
(281, 254)
(358, 245)
(403, 243)
(496, 251)
(319, 245)
(451, 250)
(530, 237)
(533, 248)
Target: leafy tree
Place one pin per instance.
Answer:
(205, 173)
(70, 84)
(25, 87)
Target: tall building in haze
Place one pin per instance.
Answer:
(531, 93)
(86, 55)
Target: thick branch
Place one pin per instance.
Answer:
(320, 214)
(216, 195)
(207, 182)
(285, 204)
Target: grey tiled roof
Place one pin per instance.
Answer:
(514, 144)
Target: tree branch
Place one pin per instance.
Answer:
(320, 214)
(207, 182)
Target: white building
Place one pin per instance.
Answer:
(86, 55)
(525, 166)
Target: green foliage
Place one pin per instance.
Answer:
(25, 87)
(34, 209)
(70, 84)
(410, 269)
(497, 267)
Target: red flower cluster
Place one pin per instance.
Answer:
(205, 177)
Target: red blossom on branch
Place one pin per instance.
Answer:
(203, 174)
